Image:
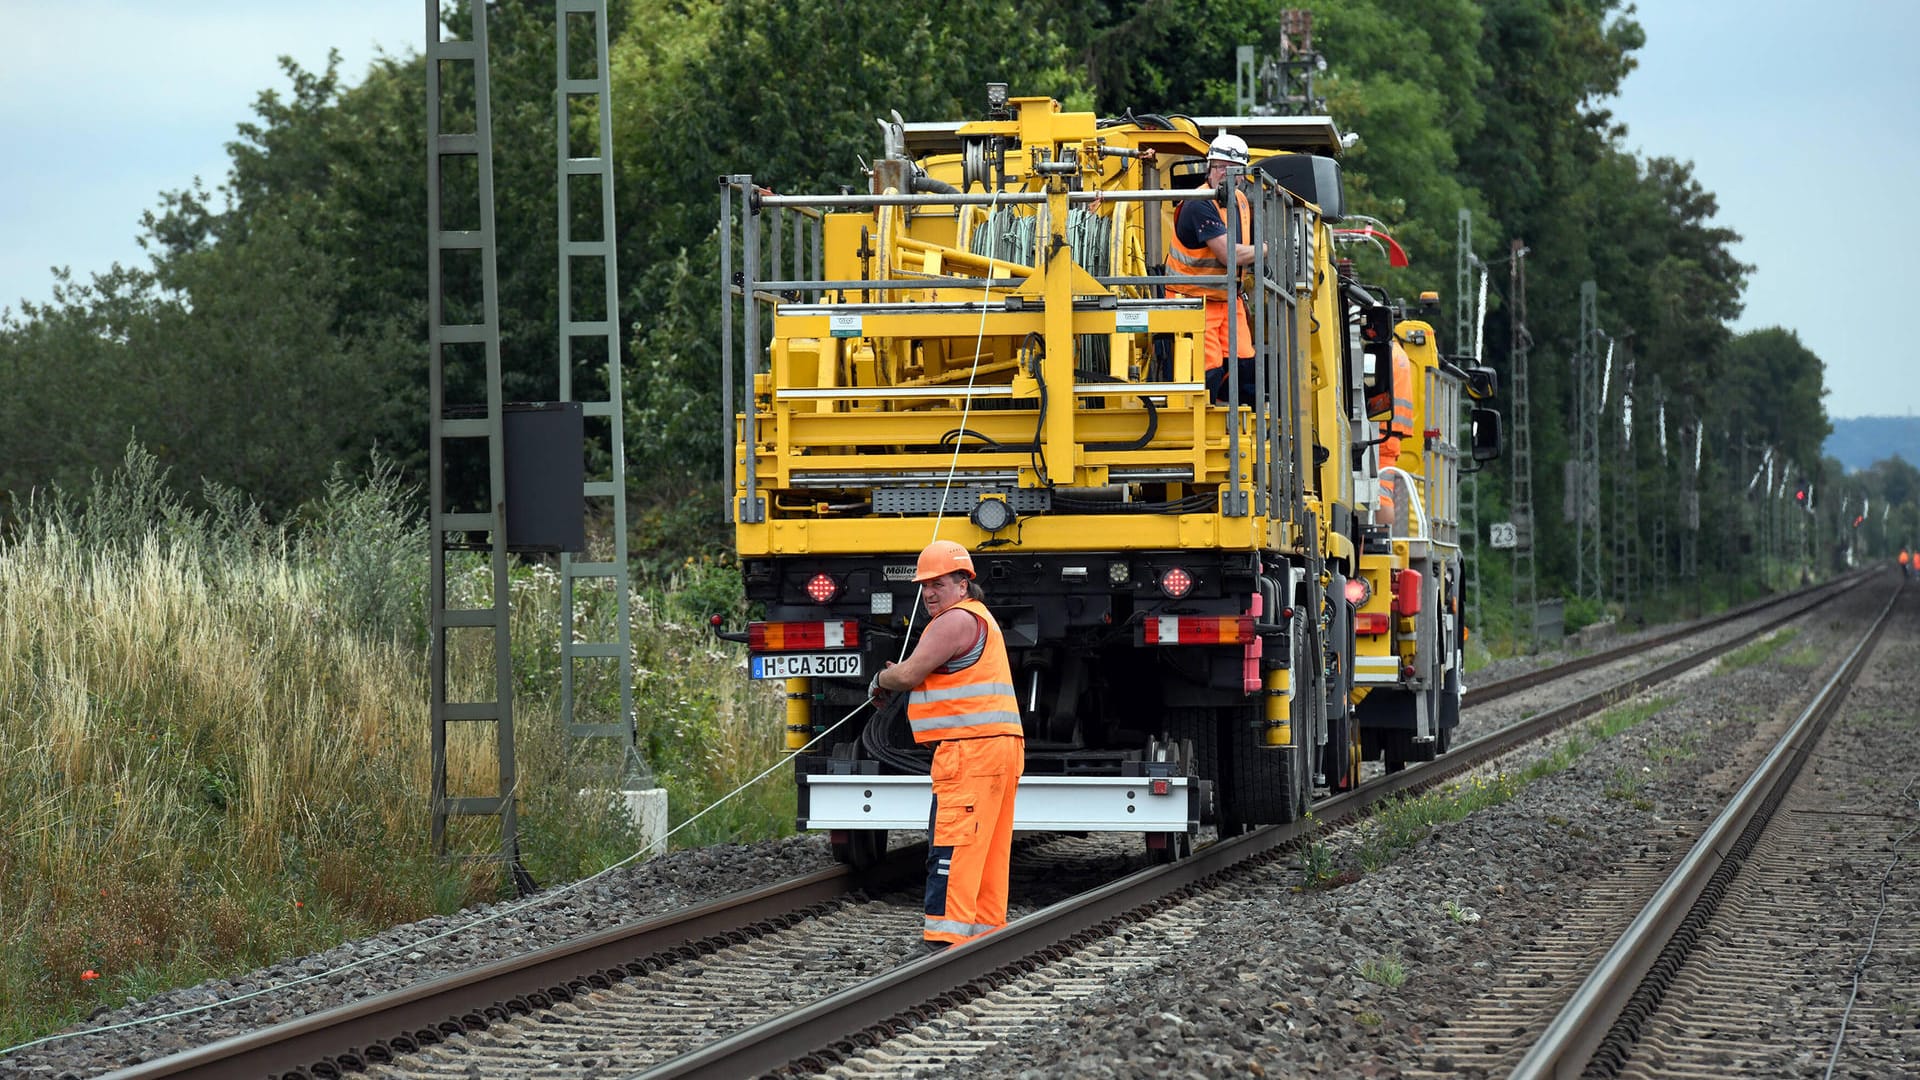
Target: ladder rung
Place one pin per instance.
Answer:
(475, 805)
(465, 428)
(594, 649)
(580, 86)
(592, 569)
(584, 248)
(469, 617)
(596, 408)
(462, 239)
(584, 7)
(584, 166)
(598, 489)
(466, 522)
(595, 328)
(452, 50)
(468, 143)
(472, 710)
(463, 332)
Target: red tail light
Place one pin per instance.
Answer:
(1359, 591)
(786, 636)
(1176, 583)
(1369, 623)
(822, 588)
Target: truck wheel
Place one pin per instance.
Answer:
(1174, 846)
(861, 849)
(1264, 785)
(1196, 732)
(1345, 751)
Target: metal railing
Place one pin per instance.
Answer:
(772, 260)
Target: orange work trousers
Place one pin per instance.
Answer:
(1215, 343)
(974, 781)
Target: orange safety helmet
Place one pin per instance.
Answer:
(942, 557)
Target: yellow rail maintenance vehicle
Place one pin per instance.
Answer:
(981, 348)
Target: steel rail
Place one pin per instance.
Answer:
(1494, 691)
(378, 1027)
(899, 999)
(466, 1000)
(1589, 1029)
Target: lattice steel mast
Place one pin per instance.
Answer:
(1519, 343)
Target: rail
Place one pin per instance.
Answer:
(1600, 1021)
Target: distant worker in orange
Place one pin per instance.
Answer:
(1395, 395)
(963, 701)
(1201, 248)
(1905, 563)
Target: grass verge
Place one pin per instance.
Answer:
(214, 736)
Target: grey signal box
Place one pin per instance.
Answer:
(546, 476)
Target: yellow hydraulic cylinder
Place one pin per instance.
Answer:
(799, 712)
(1279, 715)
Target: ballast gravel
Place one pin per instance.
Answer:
(410, 954)
(1286, 981)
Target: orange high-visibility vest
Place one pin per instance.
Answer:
(971, 695)
(1392, 430)
(1903, 556)
(1200, 261)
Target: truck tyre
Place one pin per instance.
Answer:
(1264, 785)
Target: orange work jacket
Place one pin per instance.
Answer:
(971, 695)
(1392, 430)
(1200, 261)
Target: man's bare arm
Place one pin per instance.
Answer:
(944, 638)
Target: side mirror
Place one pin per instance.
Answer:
(1486, 434)
(1482, 384)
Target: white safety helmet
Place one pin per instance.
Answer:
(1229, 148)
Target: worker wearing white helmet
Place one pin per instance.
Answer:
(1201, 248)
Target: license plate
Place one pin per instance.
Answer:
(800, 665)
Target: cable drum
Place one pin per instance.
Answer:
(1090, 239)
(1005, 236)
(1010, 238)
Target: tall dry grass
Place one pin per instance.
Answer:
(214, 737)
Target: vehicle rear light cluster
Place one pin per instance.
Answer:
(1368, 623)
(1176, 583)
(1199, 629)
(781, 636)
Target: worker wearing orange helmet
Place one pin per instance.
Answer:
(962, 700)
(1201, 247)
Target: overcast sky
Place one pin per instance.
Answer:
(1803, 120)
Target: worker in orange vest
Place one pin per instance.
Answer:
(1397, 426)
(962, 701)
(1905, 563)
(1201, 248)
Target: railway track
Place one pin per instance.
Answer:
(1722, 967)
(821, 948)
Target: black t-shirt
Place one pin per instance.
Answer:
(1198, 222)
